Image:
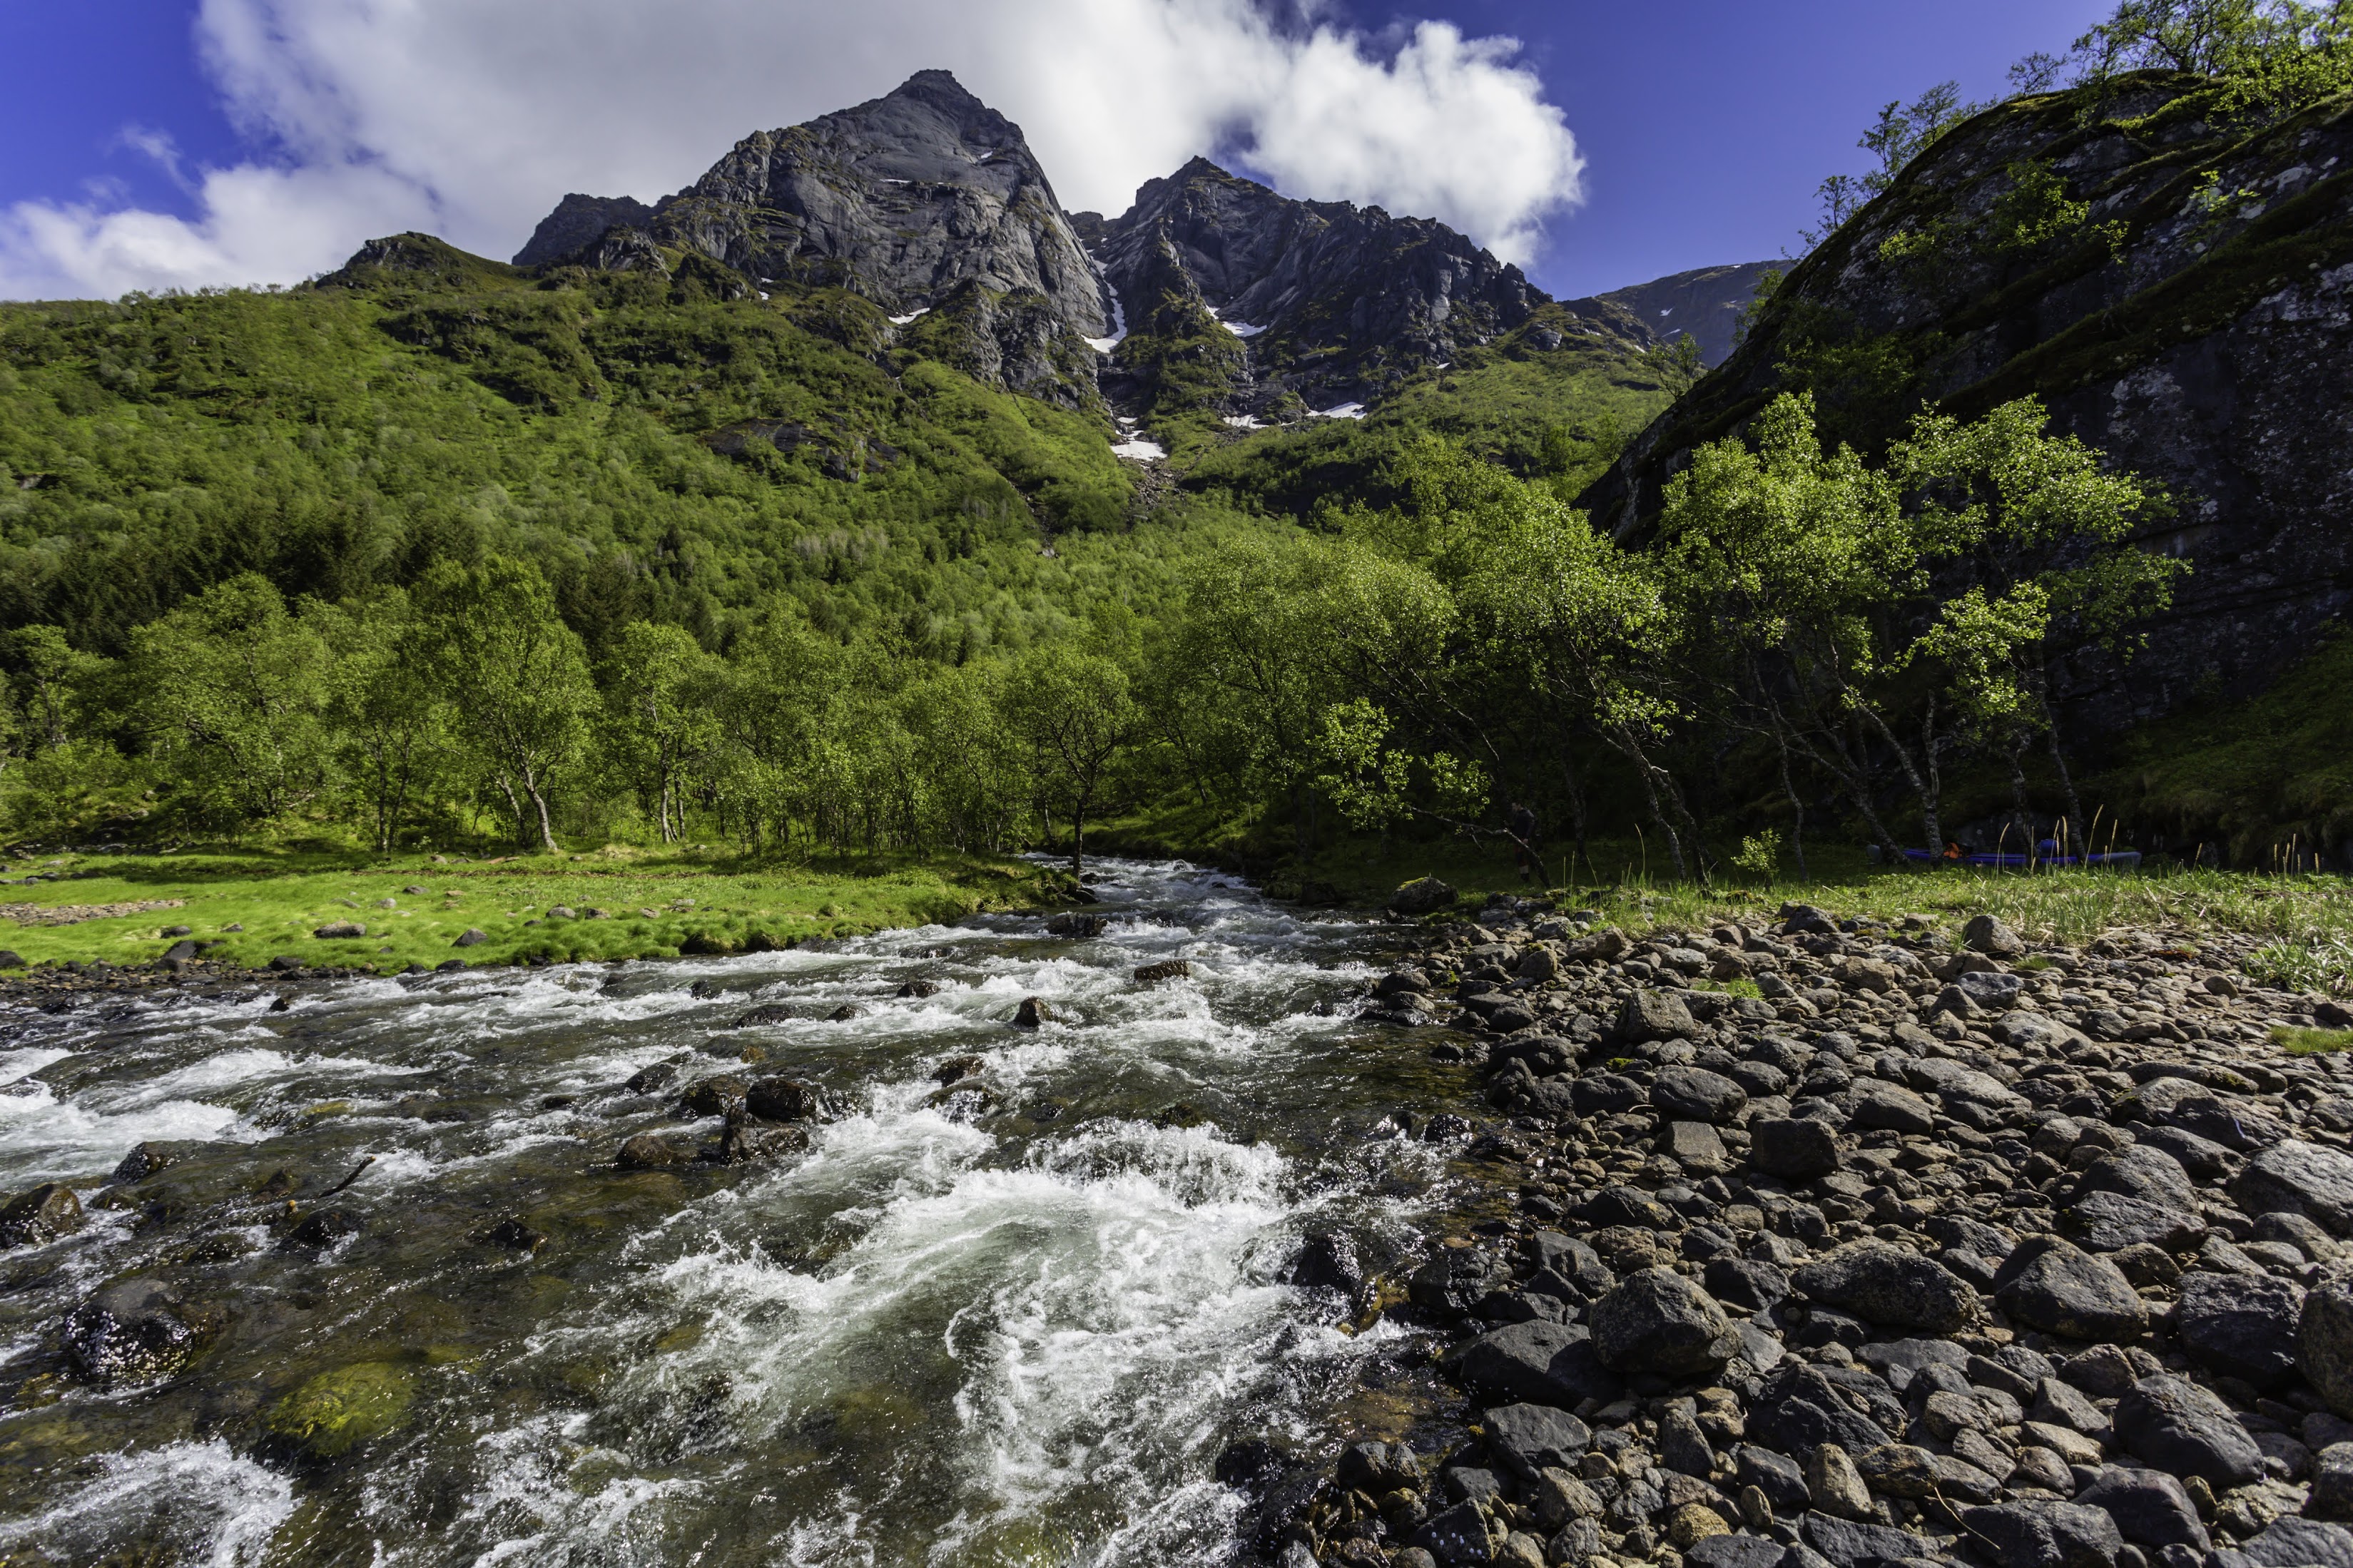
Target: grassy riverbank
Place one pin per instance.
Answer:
(252, 907)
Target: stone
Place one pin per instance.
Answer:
(2103, 1372)
(1953, 1081)
(745, 1141)
(2241, 1326)
(1694, 1094)
(1536, 1362)
(472, 936)
(1745, 1282)
(143, 1160)
(649, 1080)
(1899, 1470)
(2045, 1534)
(1531, 1438)
(1694, 1522)
(2150, 1508)
(334, 931)
(1456, 1536)
(1033, 1014)
(1327, 1260)
(1695, 1146)
(785, 1099)
(1895, 1109)
(133, 1331)
(1987, 935)
(715, 1096)
(1456, 1279)
(1836, 1486)
(1890, 1285)
(1851, 1543)
(1792, 1147)
(2324, 1340)
(2293, 1542)
(1729, 1551)
(1426, 896)
(2296, 1177)
(1657, 1321)
(1683, 1447)
(1992, 992)
(2110, 1222)
(2202, 1157)
(2183, 1430)
(1797, 1408)
(1779, 1478)
(2054, 1286)
(336, 1411)
(2332, 1482)
(647, 1152)
(2061, 1403)
(2149, 1174)
(1168, 969)
(1608, 1093)
(1654, 1016)
(41, 1216)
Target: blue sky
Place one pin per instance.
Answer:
(1703, 125)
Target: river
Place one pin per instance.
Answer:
(1012, 1319)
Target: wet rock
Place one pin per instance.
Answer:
(715, 1096)
(746, 1141)
(336, 1411)
(1530, 1438)
(514, 1236)
(955, 1069)
(325, 1227)
(1694, 1094)
(1654, 1016)
(133, 1331)
(2298, 1177)
(1656, 1320)
(1890, 1285)
(1249, 1463)
(32, 1218)
(920, 988)
(1168, 968)
(1536, 1362)
(2054, 1286)
(143, 1160)
(762, 1016)
(2150, 1508)
(2045, 1534)
(648, 1151)
(649, 1080)
(1327, 1260)
(1378, 1469)
(1033, 1014)
(1077, 926)
(1794, 1149)
(2183, 1430)
(1427, 896)
(846, 1012)
(2241, 1326)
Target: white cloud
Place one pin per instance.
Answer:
(469, 118)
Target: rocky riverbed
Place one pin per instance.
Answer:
(1839, 1243)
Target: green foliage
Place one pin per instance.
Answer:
(2274, 56)
(2298, 1042)
(1760, 857)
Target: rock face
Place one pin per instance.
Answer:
(923, 200)
(1318, 303)
(1704, 305)
(2207, 345)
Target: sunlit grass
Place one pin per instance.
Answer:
(2298, 1042)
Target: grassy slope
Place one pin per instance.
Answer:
(658, 905)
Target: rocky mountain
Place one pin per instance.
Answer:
(1291, 304)
(923, 200)
(1704, 305)
(2176, 285)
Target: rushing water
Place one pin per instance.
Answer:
(1012, 1320)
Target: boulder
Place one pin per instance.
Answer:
(1608, 1093)
(1892, 1286)
(133, 1331)
(1528, 1438)
(1992, 992)
(716, 1095)
(1426, 896)
(2151, 1175)
(472, 936)
(647, 1152)
(2055, 1286)
(1536, 1362)
(2045, 1534)
(48, 1212)
(2150, 1508)
(1656, 1320)
(1799, 1408)
(1795, 1149)
(1033, 1014)
(1952, 1080)
(1987, 935)
(2293, 1542)
(2183, 1430)
(2298, 1177)
(1454, 1279)
(2332, 1482)
(1694, 1094)
(1851, 1543)
(1327, 1260)
(2110, 1222)
(785, 1099)
(1654, 1016)
(1746, 1282)
(1168, 969)
(2241, 1326)
(762, 1016)
(2324, 1340)
(1886, 1105)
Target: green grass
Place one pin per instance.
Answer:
(2298, 1042)
(657, 906)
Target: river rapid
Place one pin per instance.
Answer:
(1012, 1319)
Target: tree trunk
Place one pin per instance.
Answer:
(1796, 812)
